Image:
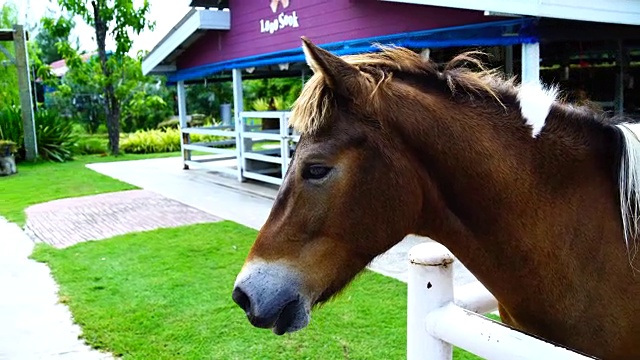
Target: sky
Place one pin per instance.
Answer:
(166, 14)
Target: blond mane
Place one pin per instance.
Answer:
(313, 107)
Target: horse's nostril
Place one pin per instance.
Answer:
(242, 299)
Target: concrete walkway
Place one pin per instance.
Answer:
(33, 324)
(245, 203)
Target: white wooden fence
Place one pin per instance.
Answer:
(437, 320)
(259, 154)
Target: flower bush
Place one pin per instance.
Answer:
(157, 141)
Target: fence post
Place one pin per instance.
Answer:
(185, 138)
(429, 287)
(26, 95)
(238, 100)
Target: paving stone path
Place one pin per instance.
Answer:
(66, 222)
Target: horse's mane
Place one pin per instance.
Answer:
(313, 106)
(312, 109)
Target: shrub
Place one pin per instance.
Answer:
(158, 141)
(54, 135)
(260, 104)
(11, 125)
(151, 141)
(144, 112)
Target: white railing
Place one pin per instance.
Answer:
(259, 154)
(267, 164)
(437, 320)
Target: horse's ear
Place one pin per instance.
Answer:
(339, 75)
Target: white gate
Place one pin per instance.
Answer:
(255, 153)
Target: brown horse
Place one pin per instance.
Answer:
(539, 199)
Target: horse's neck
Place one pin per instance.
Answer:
(502, 202)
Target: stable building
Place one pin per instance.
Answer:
(590, 48)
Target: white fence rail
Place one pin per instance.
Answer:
(437, 320)
(259, 154)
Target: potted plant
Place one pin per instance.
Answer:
(7, 157)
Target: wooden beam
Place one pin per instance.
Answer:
(6, 35)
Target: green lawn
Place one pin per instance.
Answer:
(45, 181)
(166, 294)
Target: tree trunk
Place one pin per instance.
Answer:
(113, 119)
(111, 104)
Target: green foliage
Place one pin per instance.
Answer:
(54, 134)
(145, 100)
(158, 141)
(9, 94)
(52, 32)
(148, 104)
(151, 141)
(11, 124)
(91, 146)
(260, 104)
(119, 19)
(78, 94)
(206, 99)
(279, 93)
(279, 103)
(55, 137)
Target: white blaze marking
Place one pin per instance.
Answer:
(535, 104)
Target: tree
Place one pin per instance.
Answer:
(119, 18)
(8, 76)
(47, 38)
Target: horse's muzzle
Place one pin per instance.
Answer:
(269, 295)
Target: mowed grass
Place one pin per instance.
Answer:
(45, 181)
(166, 294)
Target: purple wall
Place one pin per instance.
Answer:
(323, 21)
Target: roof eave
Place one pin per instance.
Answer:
(161, 60)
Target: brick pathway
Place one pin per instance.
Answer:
(66, 222)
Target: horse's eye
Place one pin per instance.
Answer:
(315, 172)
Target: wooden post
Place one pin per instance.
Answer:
(508, 60)
(26, 100)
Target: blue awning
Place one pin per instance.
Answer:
(497, 33)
